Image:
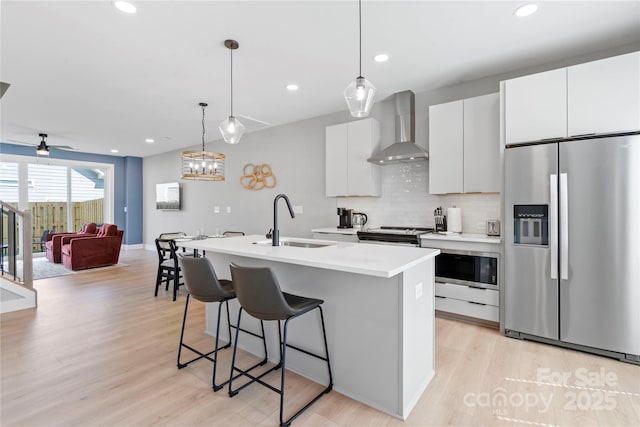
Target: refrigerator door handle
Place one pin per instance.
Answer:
(564, 226)
(553, 223)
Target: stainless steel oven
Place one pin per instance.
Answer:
(470, 268)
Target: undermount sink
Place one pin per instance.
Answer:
(295, 243)
(303, 244)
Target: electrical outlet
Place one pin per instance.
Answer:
(418, 291)
(298, 209)
(228, 209)
(216, 209)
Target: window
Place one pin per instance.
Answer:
(61, 194)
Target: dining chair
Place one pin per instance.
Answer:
(168, 268)
(41, 241)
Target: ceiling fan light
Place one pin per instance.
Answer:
(42, 149)
(360, 95)
(231, 130)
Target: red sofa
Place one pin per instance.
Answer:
(53, 243)
(100, 250)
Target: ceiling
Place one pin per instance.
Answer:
(97, 79)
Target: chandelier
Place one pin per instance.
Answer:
(202, 165)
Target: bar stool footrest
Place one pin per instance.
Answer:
(201, 355)
(311, 402)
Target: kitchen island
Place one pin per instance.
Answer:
(379, 313)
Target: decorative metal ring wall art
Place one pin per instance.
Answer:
(257, 177)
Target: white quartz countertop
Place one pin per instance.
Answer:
(336, 230)
(373, 260)
(462, 237)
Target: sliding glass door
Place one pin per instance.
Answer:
(87, 196)
(61, 194)
(47, 201)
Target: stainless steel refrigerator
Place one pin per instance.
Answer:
(572, 244)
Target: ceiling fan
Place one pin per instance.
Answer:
(43, 147)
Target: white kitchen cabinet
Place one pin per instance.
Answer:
(482, 144)
(604, 96)
(445, 147)
(596, 97)
(469, 309)
(336, 141)
(536, 107)
(348, 146)
(464, 146)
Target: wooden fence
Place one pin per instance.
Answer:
(53, 216)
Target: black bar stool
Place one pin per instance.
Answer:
(260, 295)
(202, 283)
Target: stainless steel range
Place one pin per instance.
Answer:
(407, 236)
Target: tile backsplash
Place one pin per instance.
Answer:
(406, 201)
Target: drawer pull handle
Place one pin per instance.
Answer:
(582, 134)
(438, 296)
(477, 287)
(476, 303)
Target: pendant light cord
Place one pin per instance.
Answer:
(203, 131)
(231, 82)
(360, 35)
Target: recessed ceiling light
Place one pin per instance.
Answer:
(124, 6)
(292, 87)
(526, 10)
(150, 140)
(381, 57)
(113, 150)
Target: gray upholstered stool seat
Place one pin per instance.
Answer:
(203, 284)
(259, 294)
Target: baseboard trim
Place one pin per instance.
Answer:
(467, 319)
(130, 247)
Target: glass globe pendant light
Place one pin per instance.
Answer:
(360, 93)
(231, 129)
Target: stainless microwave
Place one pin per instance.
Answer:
(470, 268)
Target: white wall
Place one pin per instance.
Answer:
(296, 154)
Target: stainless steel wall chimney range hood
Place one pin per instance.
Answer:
(404, 149)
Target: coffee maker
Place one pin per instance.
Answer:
(345, 218)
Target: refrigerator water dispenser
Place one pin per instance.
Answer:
(531, 225)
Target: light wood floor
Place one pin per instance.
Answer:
(100, 350)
